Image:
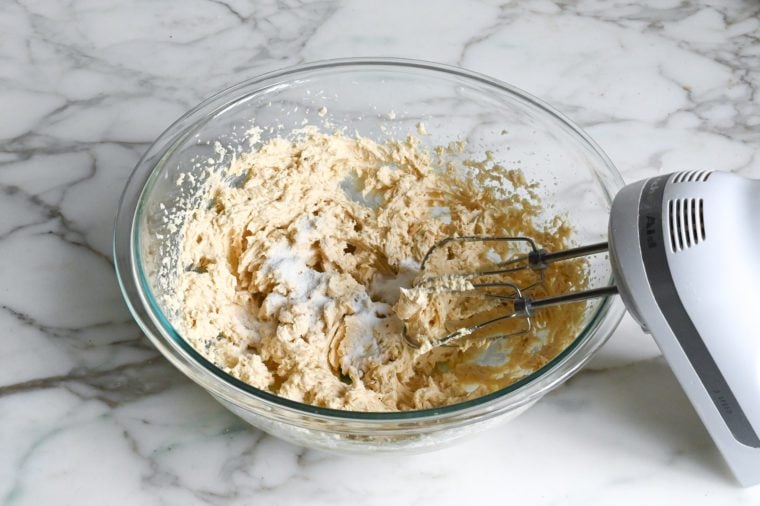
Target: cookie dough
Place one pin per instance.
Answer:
(297, 271)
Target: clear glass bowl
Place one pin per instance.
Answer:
(378, 98)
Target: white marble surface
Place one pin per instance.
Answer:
(90, 414)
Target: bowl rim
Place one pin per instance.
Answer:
(146, 311)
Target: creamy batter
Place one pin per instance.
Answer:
(296, 275)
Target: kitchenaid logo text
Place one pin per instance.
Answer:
(651, 231)
(651, 208)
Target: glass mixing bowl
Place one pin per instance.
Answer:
(377, 98)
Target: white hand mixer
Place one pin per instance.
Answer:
(665, 235)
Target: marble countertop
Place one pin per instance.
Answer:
(91, 414)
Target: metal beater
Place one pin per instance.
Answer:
(523, 306)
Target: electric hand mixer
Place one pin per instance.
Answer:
(665, 234)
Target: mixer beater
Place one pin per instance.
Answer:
(523, 305)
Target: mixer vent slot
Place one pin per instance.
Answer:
(686, 223)
(692, 176)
